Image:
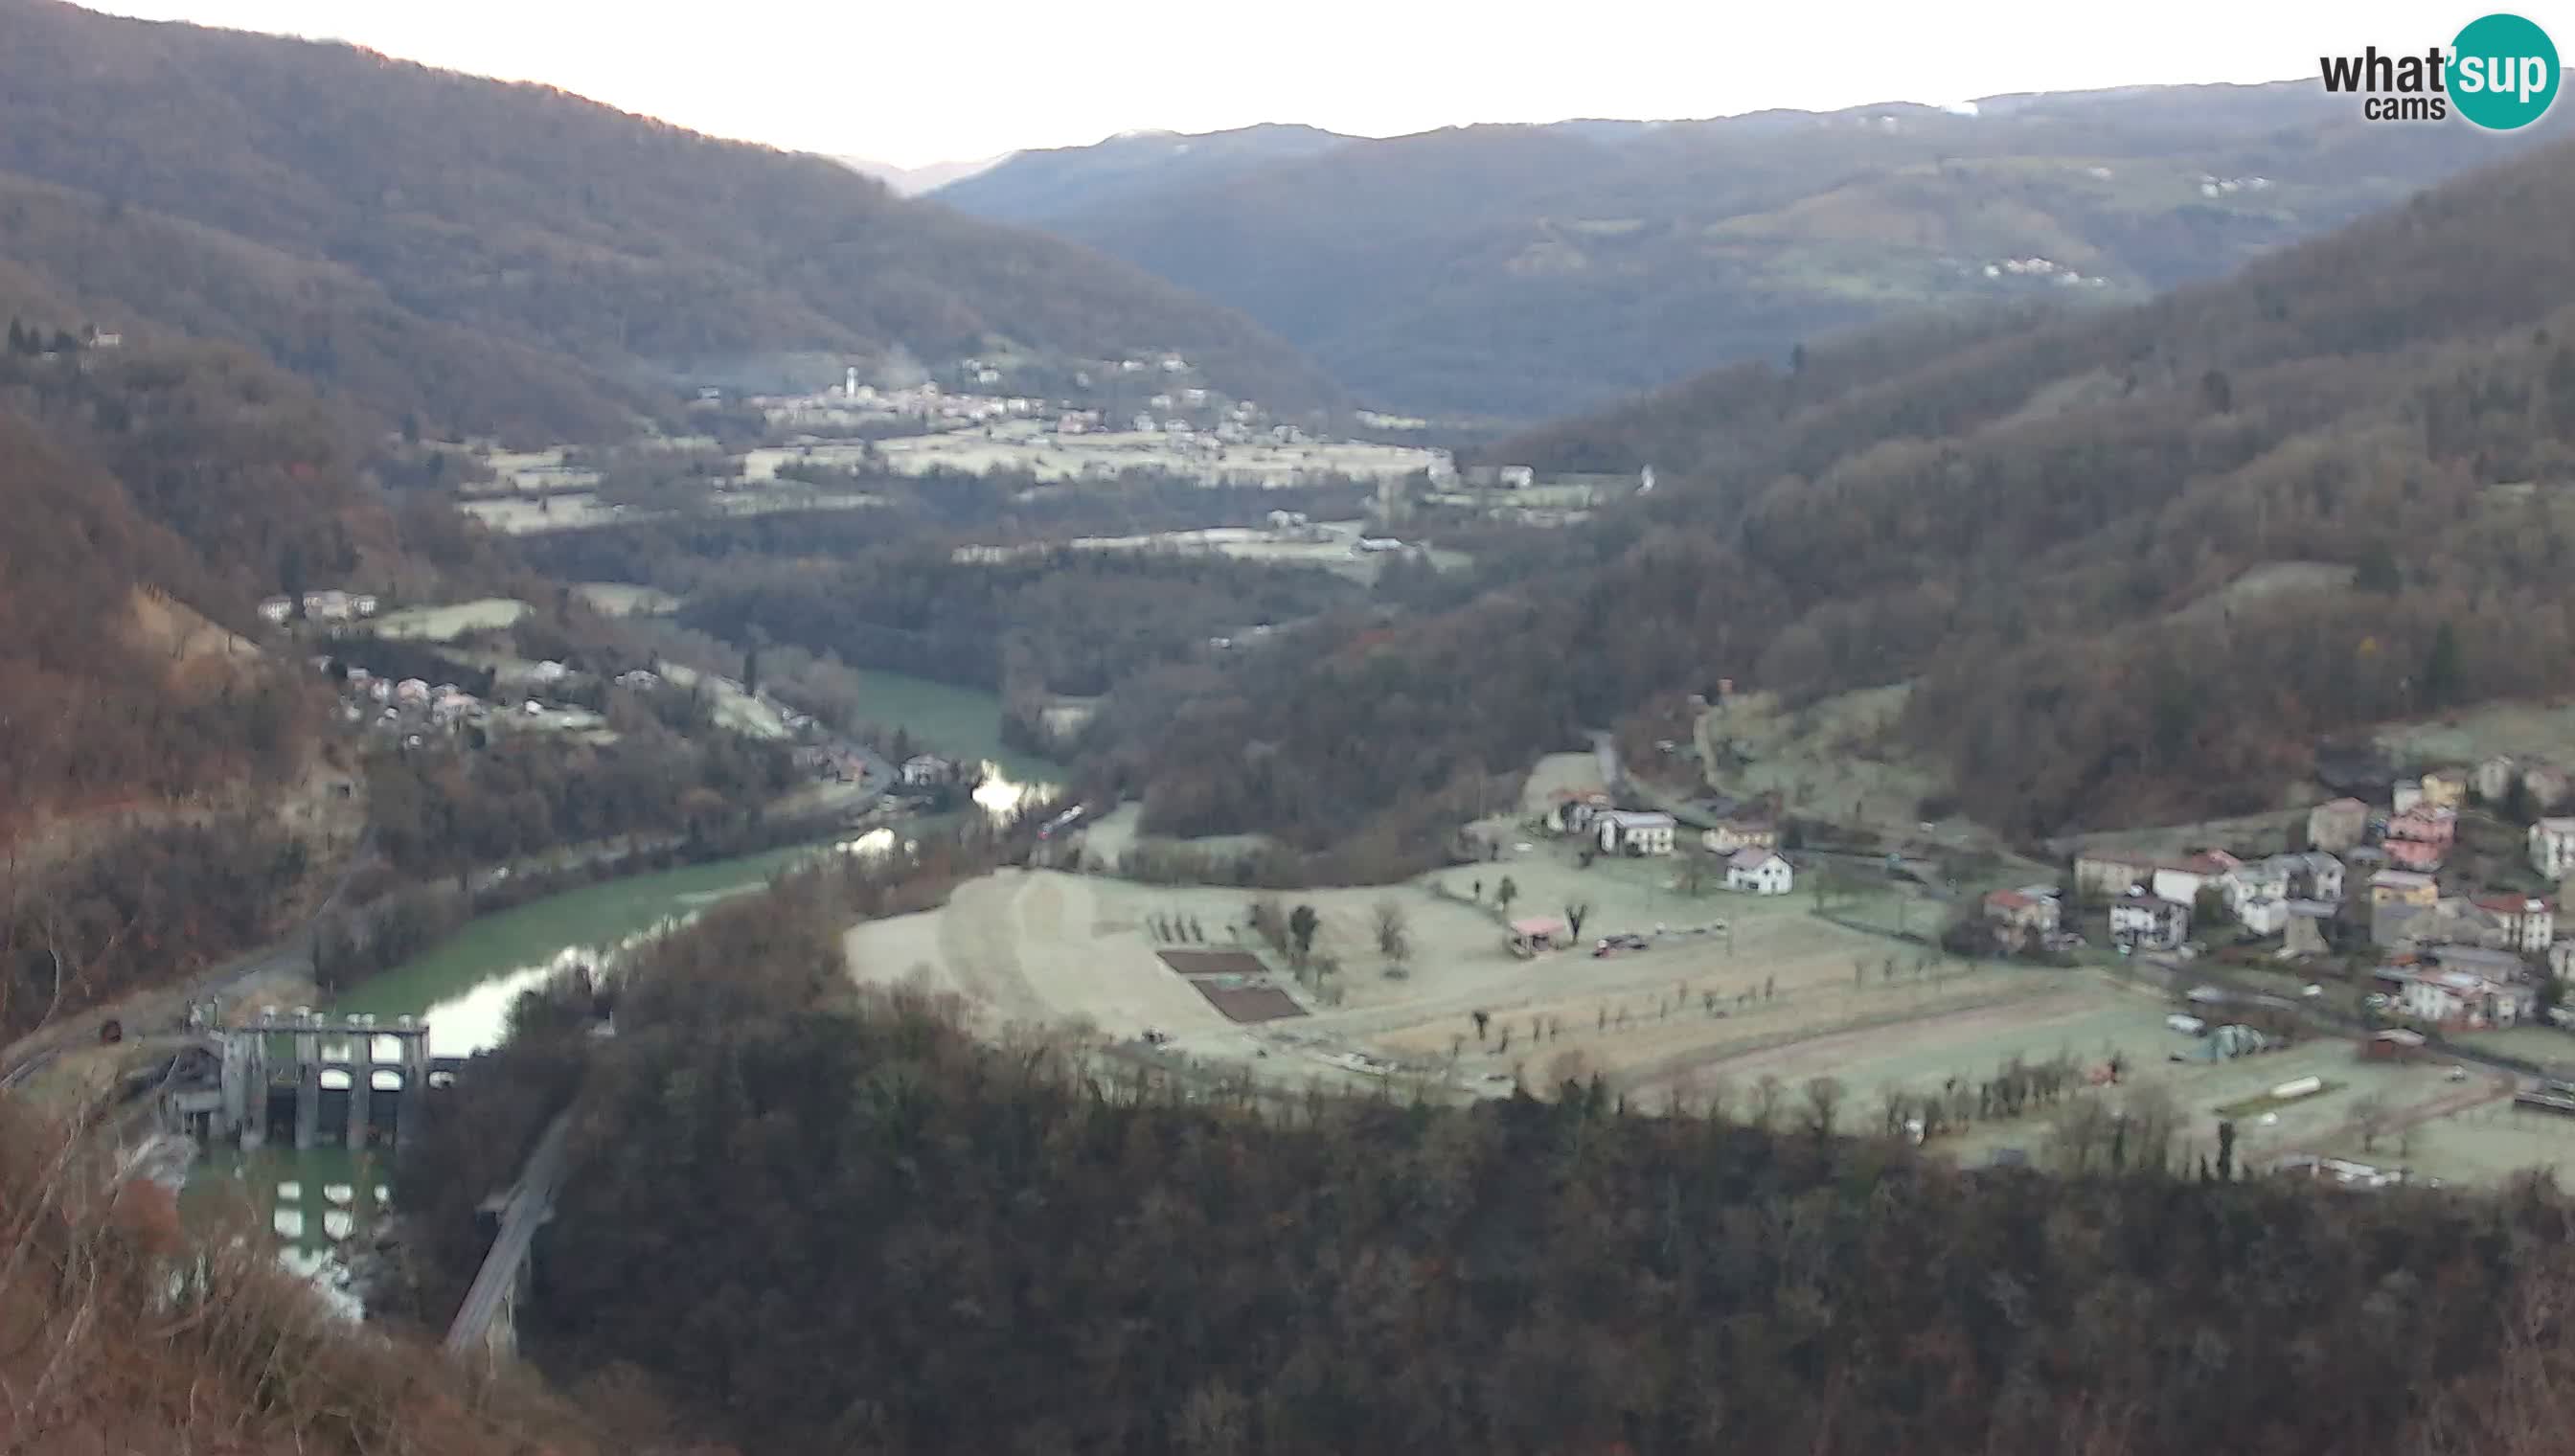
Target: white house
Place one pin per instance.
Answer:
(276, 610)
(1626, 832)
(2552, 847)
(2263, 915)
(2149, 921)
(924, 768)
(1516, 477)
(2183, 882)
(2465, 998)
(2408, 792)
(1762, 871)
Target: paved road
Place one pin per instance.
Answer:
(530, 1205)
(291, 956)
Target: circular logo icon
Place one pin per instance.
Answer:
(2503, 72)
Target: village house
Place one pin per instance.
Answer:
(2425, 824)
(2464, 1001)
(2496, 776)
(2419, 856)
(2020, 917)
(2181, 882)
(2316, 875)
(2488, 962)
(2337, 824)
(2403, 887)
(1572, 810)
(2262, 879)
(1761, 871)
(923, 770)
(2552, 847)
(2108, 872)
(1741, 831)
(2446, 788)
(2266, 915)
(2528, 922)
(2149, 922)
(1625, 832)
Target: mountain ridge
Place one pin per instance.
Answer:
(627, 252)
(1532, 271)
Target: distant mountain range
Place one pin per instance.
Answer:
(1527, 271)
(914, 181)
(510, 259)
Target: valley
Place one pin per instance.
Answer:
(1842, 779)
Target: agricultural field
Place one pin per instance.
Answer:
(623, 599)
(2530, 729)
(1833, 760)
(447, 624)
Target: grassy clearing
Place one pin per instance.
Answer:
(447, 624)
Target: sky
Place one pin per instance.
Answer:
(910, 82)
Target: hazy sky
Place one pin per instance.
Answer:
(914, 81)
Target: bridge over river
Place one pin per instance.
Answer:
(486, 1322)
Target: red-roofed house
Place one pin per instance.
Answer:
(2529, 923)
(2420, 856)
(2425, 826)
(2019, 917)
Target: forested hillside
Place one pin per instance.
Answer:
(868, 1232)
(151, 495)
(1528, 271)
(2004, 512)
(439, 245)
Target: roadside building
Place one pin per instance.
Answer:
(1540, 932)
(2496, 776)
(275, 610)
(1761, 872)
(2149, 922)
(2407, 794)
(923, 770)
(2446, 788)
(2337, 824)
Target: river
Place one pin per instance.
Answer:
(319, 1199)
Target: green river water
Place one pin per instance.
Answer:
(322, 1198)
